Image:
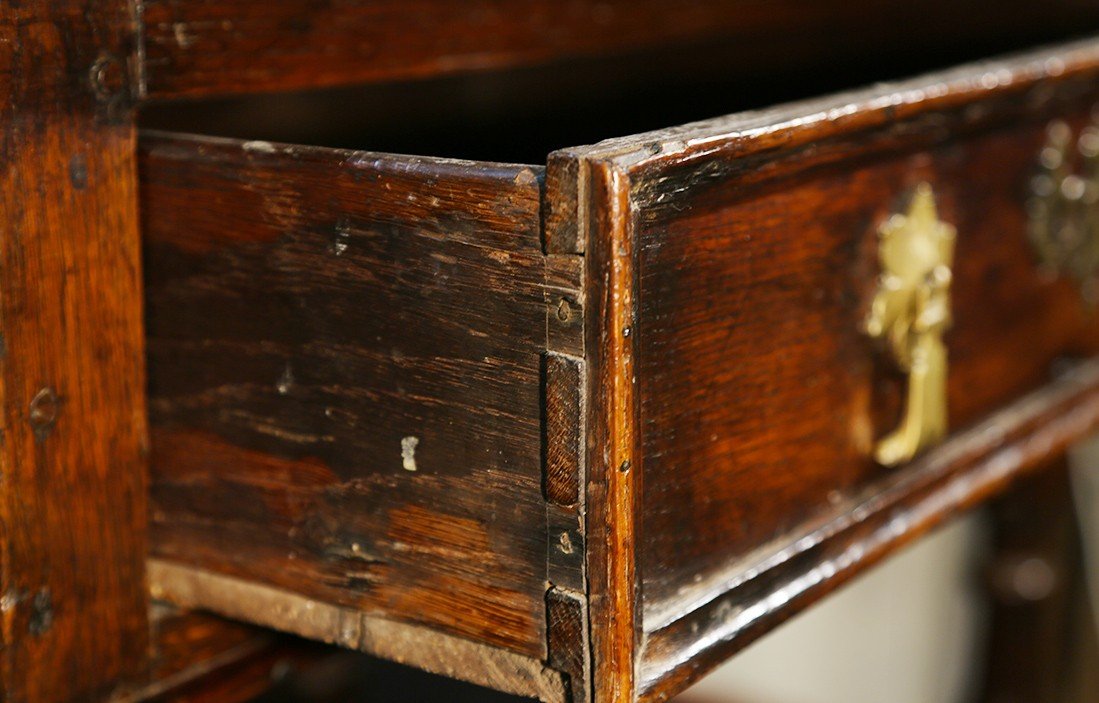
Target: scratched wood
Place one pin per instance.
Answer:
(735, 398)
(345, 379)
(73, 620)
(207, 47)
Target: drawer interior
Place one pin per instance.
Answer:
(520, 115)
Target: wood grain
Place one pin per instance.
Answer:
(345, 357)
(195, 656)
(187, 645)
(567, 621)
(208, 47)
(612, 489)
(565, 388)
(564, 428)
(753, 244)
(414, 645)
(72, 468)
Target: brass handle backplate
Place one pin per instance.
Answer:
(1063, 207)
(909, 313)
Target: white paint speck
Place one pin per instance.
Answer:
(343, 235)
(183, 39)
(9, 600)
(286, 380)
(408, 453)
(258, 146)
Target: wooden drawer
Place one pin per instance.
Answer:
(590, 428)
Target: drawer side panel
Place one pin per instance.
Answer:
(345, 355)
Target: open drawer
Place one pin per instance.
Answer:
(587, 429)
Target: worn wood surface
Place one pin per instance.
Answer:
(742, 257)
(564, 398)
(564, 418)
(428, 649)
(569, 653)
(345, 379)
(72, 478)
(612, 478)
(205, 47)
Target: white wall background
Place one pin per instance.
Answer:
(908, 631)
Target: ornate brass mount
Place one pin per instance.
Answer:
(1063, 208)
(909, 313)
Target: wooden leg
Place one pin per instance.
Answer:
(73, 607)
(1035, 585)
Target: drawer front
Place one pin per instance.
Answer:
(734, 264)
(762, 396)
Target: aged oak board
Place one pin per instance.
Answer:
(73, 601)
(199, 48)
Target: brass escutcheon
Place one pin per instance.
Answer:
(1063, 207)
(909, 314)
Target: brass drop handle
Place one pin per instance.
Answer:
(910, 313)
